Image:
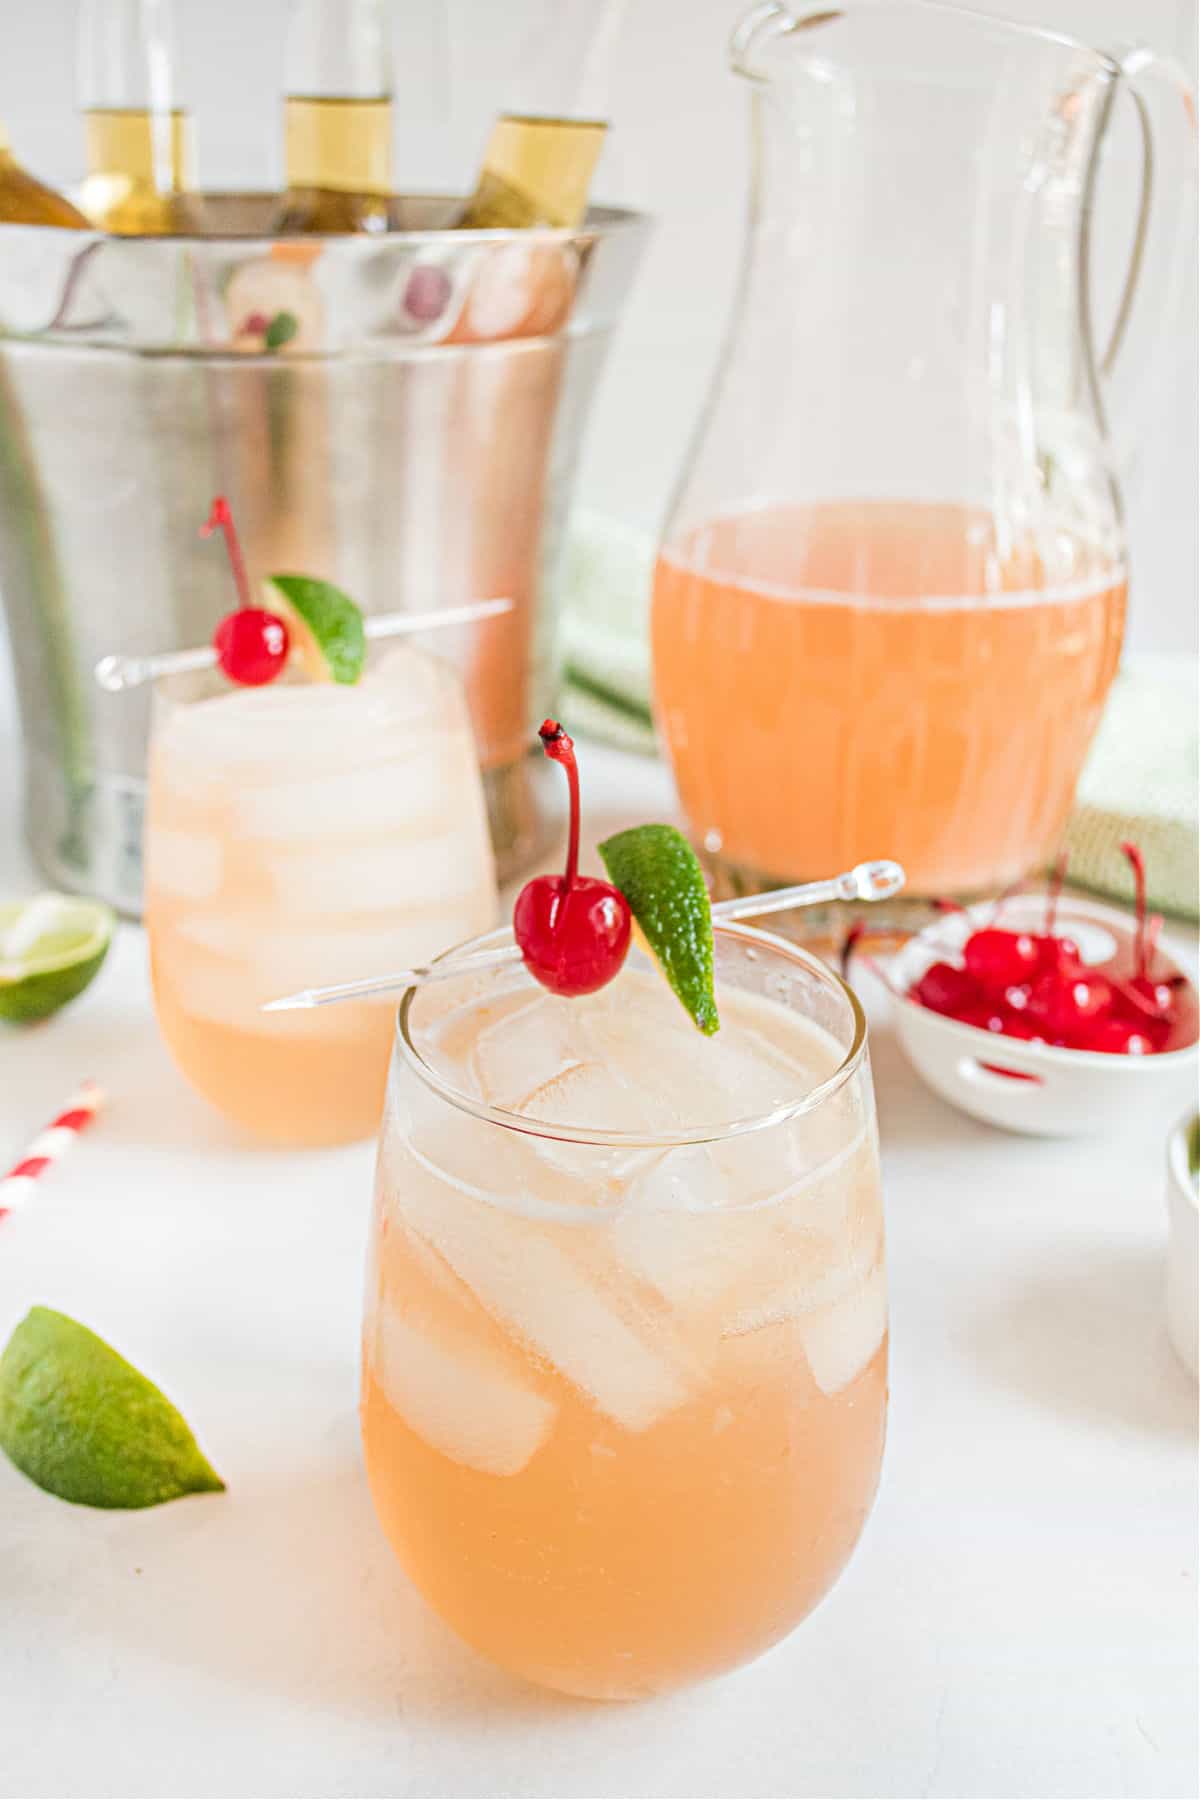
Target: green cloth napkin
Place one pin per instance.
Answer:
(1140, 782)
(1141, 779)
(606, 599)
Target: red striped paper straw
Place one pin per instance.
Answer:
(48, 1146)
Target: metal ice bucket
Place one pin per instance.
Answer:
(399, 414)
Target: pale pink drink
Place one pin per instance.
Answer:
(625, 1351)
(895, 678)
(300, 834)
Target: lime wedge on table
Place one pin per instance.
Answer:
(657, 871)
(84, 1424)
(50, 947)
(325, 626)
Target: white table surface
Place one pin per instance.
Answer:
(1019, 1619)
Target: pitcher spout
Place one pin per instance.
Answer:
(752, 37)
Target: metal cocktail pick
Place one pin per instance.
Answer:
(116, 673)
(868, 881)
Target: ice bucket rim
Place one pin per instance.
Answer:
(599, 221)
(185, 295)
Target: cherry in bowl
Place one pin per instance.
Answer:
(1025, 1067)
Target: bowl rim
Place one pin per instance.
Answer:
(1181, 1178)
(1053, 1056)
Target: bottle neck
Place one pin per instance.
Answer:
(338, 50)
(563, 69)
(544, 147)
(127, 57)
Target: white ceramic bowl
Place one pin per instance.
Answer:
(1183, 1250)
(1033, 1087)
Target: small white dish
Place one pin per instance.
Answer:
(1183, 1250)
(1022, 1086)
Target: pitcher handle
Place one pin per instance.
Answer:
(1155, 239)
(765, 21)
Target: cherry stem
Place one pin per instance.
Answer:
(221, 519)
(1054, 888)
(855, 933)
(1138, 866)
(1002, 899)
(850, 949)
(561, 749)
(1154, 925)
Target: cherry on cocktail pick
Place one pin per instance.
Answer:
(572, 930)
(251, 644)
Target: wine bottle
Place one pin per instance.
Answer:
(140, 150)
(337, 119)
(24, 200)
(542, 153)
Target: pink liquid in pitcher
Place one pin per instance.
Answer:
(882, 678)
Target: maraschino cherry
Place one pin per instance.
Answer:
(572, 930)
(1037, 987)
(251, 644)
(1068, 1005)
(945, 988)
(999, 960)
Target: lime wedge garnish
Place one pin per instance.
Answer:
(657, 871)
(50, 947)
(326, 627)
(84, 1424)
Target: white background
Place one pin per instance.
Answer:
(678, 150)
(1020, 1619)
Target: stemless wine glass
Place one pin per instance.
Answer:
(625, 1347)
(301, 832)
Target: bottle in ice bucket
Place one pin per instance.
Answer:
(140, 149)
(544, 147)
(337, 118)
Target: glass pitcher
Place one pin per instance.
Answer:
(890, 598)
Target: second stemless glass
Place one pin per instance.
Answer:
(298, 834)
(624, 1389)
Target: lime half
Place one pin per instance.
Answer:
(50, 947)
(325, 626)
(86, 1425)
(658, 872)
